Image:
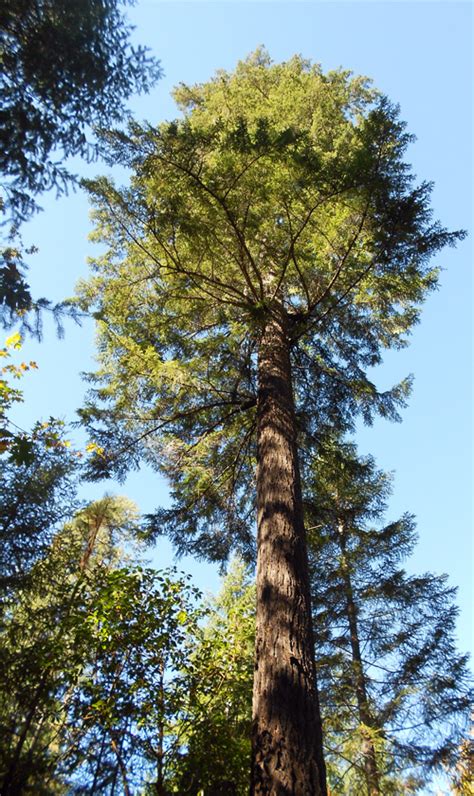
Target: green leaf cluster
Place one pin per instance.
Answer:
(216, 718)
(93, 646)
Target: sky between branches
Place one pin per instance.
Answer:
(420, 55)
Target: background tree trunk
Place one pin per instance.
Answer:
(368, 748)
(287, 740)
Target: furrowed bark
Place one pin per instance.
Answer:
(287, 755)
(368, 748)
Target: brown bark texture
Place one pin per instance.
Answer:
(287, 739)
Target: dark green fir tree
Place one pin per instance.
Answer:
(394, 689)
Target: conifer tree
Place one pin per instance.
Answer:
(271, 244)
(388, 662)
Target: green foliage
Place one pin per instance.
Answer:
(93, 647)
(416, 682)
(38, 473)
(44, 649)
(67, 66)
(139, 630)
(38, 488)
(8, 394)
(111, 680)
(15, 297)
(279, 184)
(215, 724)
(16, 305)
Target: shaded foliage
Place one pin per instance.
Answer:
(67, 66)
(37, 495)
(92, 648)
(399, 645)
(215, 723)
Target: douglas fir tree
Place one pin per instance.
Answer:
(393, 687)
(271, 244)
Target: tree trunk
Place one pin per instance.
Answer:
(11, 783)
(368, 749)
(287, 755)
(117, 748)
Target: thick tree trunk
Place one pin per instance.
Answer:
(287, 740)
(368, 748)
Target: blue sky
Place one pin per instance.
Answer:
(420, 55)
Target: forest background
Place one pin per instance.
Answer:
(420, 55)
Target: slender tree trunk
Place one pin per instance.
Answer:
(159, 786)
(368, 749)
(287, 755)
(10, 784)
(117, 748)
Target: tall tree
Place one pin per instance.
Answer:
(67, 66)
(271, 245)
(388, 659)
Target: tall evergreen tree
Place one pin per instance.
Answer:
(271, 244)
(389, 669)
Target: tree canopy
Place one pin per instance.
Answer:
(278, 184)
(68, 66)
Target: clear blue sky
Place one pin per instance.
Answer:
(420, 55)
